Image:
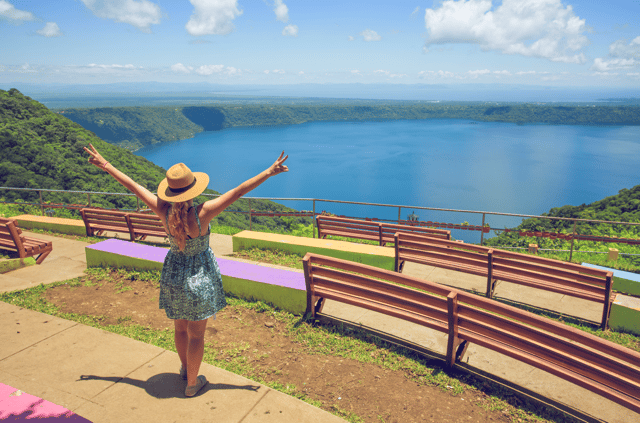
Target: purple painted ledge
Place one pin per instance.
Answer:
(231, 268)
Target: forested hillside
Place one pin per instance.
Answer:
(136, 127)
(622, 207)
(42, 149)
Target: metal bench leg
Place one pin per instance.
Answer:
(319, 306)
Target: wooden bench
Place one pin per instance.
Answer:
(11, 238)
(370, 230)
(600, 366)
(142, 225)
(498, 265)
(97, 221)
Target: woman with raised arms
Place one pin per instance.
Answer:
(191, 284)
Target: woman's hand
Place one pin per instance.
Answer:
(277, 166)
(96, 158)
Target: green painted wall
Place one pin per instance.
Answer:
(626, 286)
(53, 227)
(624, 319)
(13, 264)
(382, 262)
(292, 300)
(97, 258)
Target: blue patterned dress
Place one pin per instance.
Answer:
(191, 283)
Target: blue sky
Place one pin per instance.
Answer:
(579, 43)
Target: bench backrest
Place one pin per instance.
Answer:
(375, 289)
(145, 222)
(389, 230)
(452, 255)
(382, 231)
(114, 218)
(512, 267)
(356, 228)
(10, 232)
(596, 364)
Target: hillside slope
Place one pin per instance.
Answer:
(42, 149)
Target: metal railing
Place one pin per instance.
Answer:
(313, 213)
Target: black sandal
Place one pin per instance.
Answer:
(190, 391)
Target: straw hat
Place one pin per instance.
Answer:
(181, 184)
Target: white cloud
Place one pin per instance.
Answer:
(51, 29)
(281, 10)
(439, 74)
(370, 35)
(266, 71)
(600, 65)
(382, 71)
(139, 13)
(355, 72)
(502, 73)
(206, 70)
(290, 30)
(180, 68)
(415, 11)
(476, 73)
(129, 66)
(7, 10)
(351, 38)
(301, 73)
(280, 71)
(212, 17)
(621, 56)
(537, 28)
(526, 73)
(209, 69)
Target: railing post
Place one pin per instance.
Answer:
(313, 219)
(89, 199)
(250, 214)
(399, 214)
(482, 231)
(137, 205)
(573, 238)
(41, 202)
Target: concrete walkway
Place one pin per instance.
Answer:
(129, 379)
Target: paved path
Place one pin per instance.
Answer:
(130, 379)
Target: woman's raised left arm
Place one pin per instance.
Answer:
(156, 204)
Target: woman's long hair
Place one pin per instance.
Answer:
(178, 223)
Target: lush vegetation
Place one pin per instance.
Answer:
(44, 150)
(623, 207)
(135, 127)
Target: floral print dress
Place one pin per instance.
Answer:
(191, 283)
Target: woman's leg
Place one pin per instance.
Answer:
(195, 350)
(182, 338)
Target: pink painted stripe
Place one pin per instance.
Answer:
(18, 406)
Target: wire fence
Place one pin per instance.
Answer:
(573, 236)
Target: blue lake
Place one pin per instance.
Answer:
(453, 164)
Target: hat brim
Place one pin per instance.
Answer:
(165, 193)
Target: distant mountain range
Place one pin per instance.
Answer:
(421, 92)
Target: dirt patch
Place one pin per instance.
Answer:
(264, 349)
